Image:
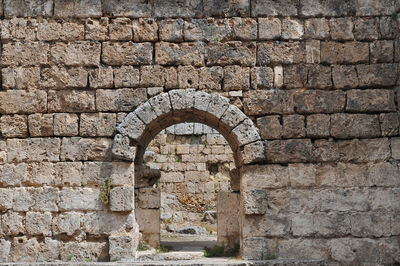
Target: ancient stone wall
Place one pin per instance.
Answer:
(311, 114)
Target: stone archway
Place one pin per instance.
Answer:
(188, 105)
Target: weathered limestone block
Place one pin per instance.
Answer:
(180, 54)
(370, 224)
(355, 126)
(348, 250)
(270, 225)
(38, 223)
(126, 53)
(97, 29)
(84, 251)
(6, 197)
(210, 30)
(382, 51)
(72, 31)
(121, 148)
(14, 175)
(269, 28)
(69, 173)
(293, 126)
(292, 29)
(364, 150)
(149, 198)
(60, 78)
(345, 199)
(319, 77)
(127, 8)
(188, 77)
(122, 199)
(370, 100)
(228, 216)
(193, 8)
(255, 201)
(259, 248)
(302, 175)
(45, 199)
(101, 77)
(122, 247)
(395, 146)
(232, 8)
(20, 77)
(387, 28)
(14, 126)
(348, 52)
(33, 150)
(253, 152)
(48, 30)
(85, 149)
(390, 124)
(326, 150)
(43, 173)
(246, 132)
(120, 173)
(292, 150)
(66, 223)
(71, 101)
(172, 177)
(65, 124)
(145, 30)
(126, 76)
(80, 199)
(262, 78)
(366, 29)
(75, 54)
(13, 224)
(316, 101)
(20, 101)
(244, 28)
(262, 102)
(18, 29)
(344, 77)
(341, 29)
(265, 176)
(295, 76)
(132, 126)
(236, 78)
(30, 250)
(120, 99)
(171, 30)
(40, 125)
(280, 53)
(106, 223)
(5, 247)
(30, 53)
(377, 74)
(316, 28)
(77, 8)
(231, 53)
(149, 225)
(274, 8)
(270, 127)
(28, 9)
(318, 125)
(99, 124)
(121, 29)
(303, 248)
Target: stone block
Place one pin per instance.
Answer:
(262, 102)
(316, 28)
(77, 8)
(171, 30)
(65, 124)
(270, 127)
(60, 78)
(120, 29)
(302, 175)
(101, 77)
(19, 28)
(5, 247)
(84, 251)
(188, 77)
(280, 53)
(262, 78)
(13, 224)
(32, 101)
(72, 31)
(295, 76)
(145, 30)
(232, 117)
(341, 29)
(20, 77)
(253, 152)
(246, 132)
(377, 75)
(264, 177)
(48, 30)
(231, 53)
(255, 201)
(18, 53)
(319, 77)
(209, 30)
(318, 126)
(303, 249)
(85, 149)
(292, 29)
(210, 78)
(232, 8)
(106, 223)
(278, 77)
(395, 146)
(366, 29)
(274, 8)
(6, 197)
(12, 175)
(259, 248)
(126, 76)
(45, 199)
(244, 28)
(387, 28)
(269, 28)
(293, 126)
(123, 247)
(22, 8)
(383, 174)
(38, 223)
(40, 125)
(344, 77)
(77, 53)
(365, 150)
(66, 223)
(315, 101)
(348, 52)
(149, 198)
(97, 125)
(71, 101)
(270, 225)
(80, 199)
(14, 126)
(313, 52)
(377, 100)
(381, 51)
(127, 8)
(149, 222)
(69, 173)
(126, 53)
(122, 199)
(370, 224)
(180, 54)
(355, 126)
(236, 78)
(390, 124)
(292, 150)
(344, 200)
(175, 8)
(121, 148)
(119, 100)
(228, 218)
(96, 29)
(34, 150)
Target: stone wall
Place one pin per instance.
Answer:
(314, 134)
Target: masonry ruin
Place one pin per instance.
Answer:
(305, 92)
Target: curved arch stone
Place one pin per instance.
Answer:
(188, 105)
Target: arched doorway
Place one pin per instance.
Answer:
(187, 105)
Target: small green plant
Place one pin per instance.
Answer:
(270, 256)
(220, 251)
(89, 260)
(205, 143)
(157, 183)
(163, 249)
(153, 108)
(394, 15)
(69, 257)
(105, 192)
(142, 246)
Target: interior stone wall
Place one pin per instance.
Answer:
(317, 79)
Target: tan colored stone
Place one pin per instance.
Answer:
(270, 127)
(77, 53)
(292, 29)
(65, 124)
(66, 223)
(188, 77)
(210, 78)
(120, 29)
(366, 29)
(38, 223)
(262, 102)
(341, 29)
(101, 77)
(85, 149)
(180, 54)
(76, 8)
(126, 53)
(96, 29)
(231, 53)
(12, 126)
(20, 77)
(281, 53)
(18, 53)
(48, 30)
(269, 28)
(355, 126)
(34, 149)
(40, 125)
(171, 30)
(80, 199)
(145, 30)
(60, 78)
(99, 124)
(72, 31)
(71, 101)
(348, 52)
(293, 126)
